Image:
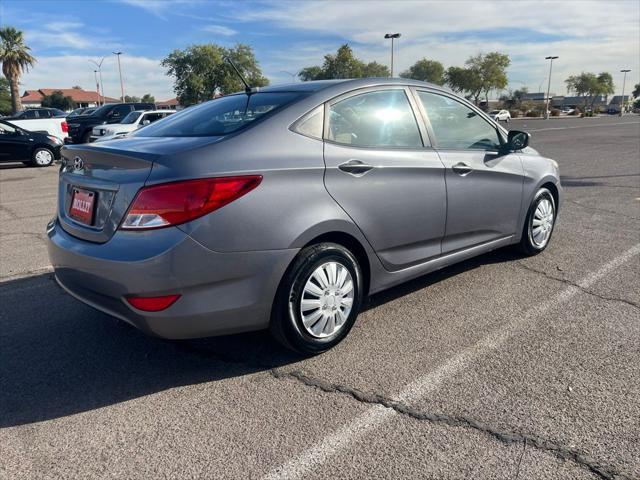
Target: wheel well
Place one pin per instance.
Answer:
(354, 247)
(554, 191)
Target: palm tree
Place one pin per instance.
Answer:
(15, 58)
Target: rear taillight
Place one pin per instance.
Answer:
(174, 203)
(65, 126)
(153, 304)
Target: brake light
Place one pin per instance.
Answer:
(65, 126)
(174, 203)
(152, 304)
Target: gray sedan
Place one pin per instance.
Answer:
(284, 207)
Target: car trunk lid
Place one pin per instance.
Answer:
(105, 178)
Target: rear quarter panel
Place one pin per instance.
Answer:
(288, 208)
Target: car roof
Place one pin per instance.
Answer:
(347, 84)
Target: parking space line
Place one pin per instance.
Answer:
(377, 415)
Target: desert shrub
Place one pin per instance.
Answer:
(555, 112)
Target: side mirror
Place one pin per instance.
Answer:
(517, 140)
(146, 122)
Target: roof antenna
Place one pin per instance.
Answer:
(247, 88)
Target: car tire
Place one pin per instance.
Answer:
(42, 157)
(86, 138)
(508, 120)
(539, 224)
(328, 279)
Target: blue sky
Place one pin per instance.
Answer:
(287, 36)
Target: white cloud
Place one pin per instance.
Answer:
(587, 35)
(219, 30)
(160, 8)
(141, 75)
(67, 35)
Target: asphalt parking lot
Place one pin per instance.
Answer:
(499, 367)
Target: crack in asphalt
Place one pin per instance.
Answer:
(524, 448)
(578, 286)
(601, 209)
(509, 438)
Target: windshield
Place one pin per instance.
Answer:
(221, 116)
(131, 118)
(494, 112)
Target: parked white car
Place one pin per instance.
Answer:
(500, 115)
(55, 126)
(133, 121)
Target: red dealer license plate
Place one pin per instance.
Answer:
(82, 203)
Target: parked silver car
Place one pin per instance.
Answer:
(284, 207)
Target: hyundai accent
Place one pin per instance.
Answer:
(282, 208)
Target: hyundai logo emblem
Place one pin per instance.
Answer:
(78, 164)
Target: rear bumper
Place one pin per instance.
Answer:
(221, 293)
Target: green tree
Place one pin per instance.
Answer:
(636, 91)
(58, 100)
(605, 85)
(464, 81)
(310, 73)
(343, 64)
(131, 99)
(426, 70)
(16, 59)
(481, 74)
(513, 98)
(589, 86)
(200, 71)
(491, 70)
(5, 97)
(148, 98)
(375, 69)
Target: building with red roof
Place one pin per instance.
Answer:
(82, 98)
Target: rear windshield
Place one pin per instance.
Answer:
(221, 116)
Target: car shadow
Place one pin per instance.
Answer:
(13, 165)
(59, 357)
(497, 256)
(594, 181)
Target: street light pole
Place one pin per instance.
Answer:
(546, 110)
(293, 75)
(95, 74)
(624, 81)
(117, 54)
(392, 36)
(99, 65)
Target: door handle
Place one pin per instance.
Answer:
(355, 167)
(462, 169)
